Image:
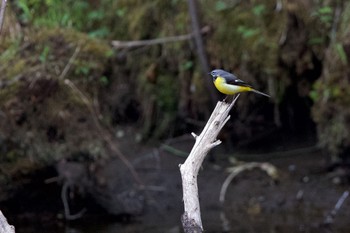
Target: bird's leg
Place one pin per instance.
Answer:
(224, 100)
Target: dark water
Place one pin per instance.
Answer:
(97, 227)
(299, 202)
(288, 225)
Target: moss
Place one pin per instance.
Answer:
(332, 94)
(162, 95)
(249, 31)
(166, 93)
(45, 118)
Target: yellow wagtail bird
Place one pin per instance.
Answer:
(229, 84)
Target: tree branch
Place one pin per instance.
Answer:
(191, 219)
(331, 216)
(2, 13)
(136, 43)
(4, 226)
(267, 167)
(203, 59)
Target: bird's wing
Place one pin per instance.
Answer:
(232, 79)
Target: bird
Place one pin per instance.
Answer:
(229, 84)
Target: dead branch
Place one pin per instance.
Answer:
(4, 226)
(64, 197)
(191, 219)
(137, 43)
(331, 216)
(70, 62)
(267, 167)
(2, 13)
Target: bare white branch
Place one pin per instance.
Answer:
(331, 216)
(4, 226)
(191, 219)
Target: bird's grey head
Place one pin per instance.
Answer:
(216, 73)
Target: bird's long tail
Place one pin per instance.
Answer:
(260, 93)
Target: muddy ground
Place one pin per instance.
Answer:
(300, 199)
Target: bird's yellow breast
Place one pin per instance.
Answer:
(228, 89)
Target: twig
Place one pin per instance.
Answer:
(191, 219)
(167, 145)
(136, 43)
(330, 217)
(2, 13)
(174, 151)
(69, 64)
(67, 214)
(335, 22)
(267, 167)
